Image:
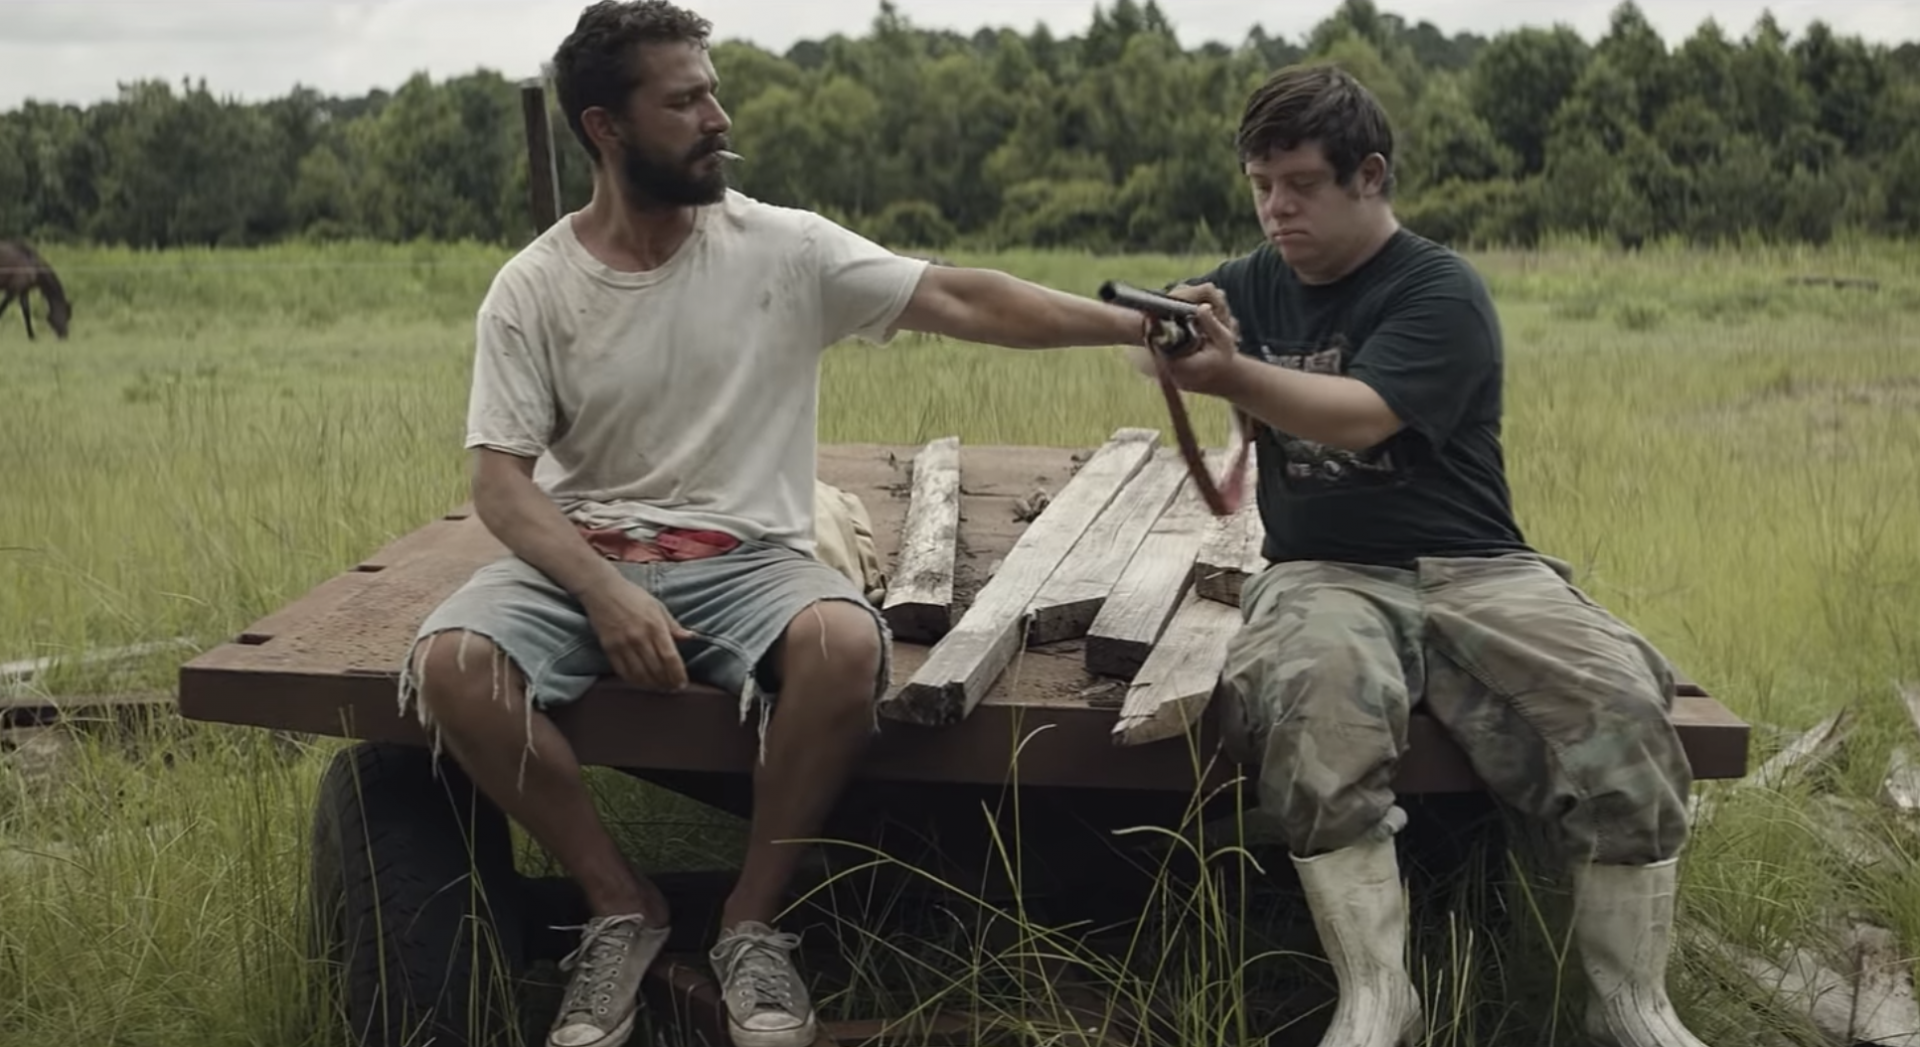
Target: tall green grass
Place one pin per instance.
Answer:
(1727, 458)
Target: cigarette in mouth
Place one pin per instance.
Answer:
(727, 154)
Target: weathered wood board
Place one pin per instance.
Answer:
(1230, 548)
(968, 660)
(1149, 591)
(1072, 597)
(919, 603)
(1171, 692)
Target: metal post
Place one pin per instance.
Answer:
(543, 174)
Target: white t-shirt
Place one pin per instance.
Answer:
(686, 396)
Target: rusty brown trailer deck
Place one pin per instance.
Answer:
(325, 664)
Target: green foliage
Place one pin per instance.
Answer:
(1115, 140)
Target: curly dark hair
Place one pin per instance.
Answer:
(595, 64)
(1320, 102)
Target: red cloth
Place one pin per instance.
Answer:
(673, 543)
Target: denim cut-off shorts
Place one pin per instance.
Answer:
(738, 604)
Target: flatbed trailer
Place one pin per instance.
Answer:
(1055, 722)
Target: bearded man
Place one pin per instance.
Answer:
(642, 426)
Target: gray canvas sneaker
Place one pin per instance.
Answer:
(767, 1003)
(602, 998)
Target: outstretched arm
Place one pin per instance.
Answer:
(995, 308)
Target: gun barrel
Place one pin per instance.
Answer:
(1166, 307)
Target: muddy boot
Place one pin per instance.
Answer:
(1360, 911)
(1623, 922)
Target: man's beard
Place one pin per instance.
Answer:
(653, 180)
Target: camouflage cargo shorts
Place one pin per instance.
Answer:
(1561, 708)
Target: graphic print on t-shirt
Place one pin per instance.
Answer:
(1310, 466)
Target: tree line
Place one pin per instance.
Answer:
(1117, 139)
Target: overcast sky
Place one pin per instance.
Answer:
(77, 50)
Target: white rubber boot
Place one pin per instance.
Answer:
(1360, 911)
(1623, 921)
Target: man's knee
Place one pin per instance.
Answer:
(458, 672)
(834, 647)
(1636, 777)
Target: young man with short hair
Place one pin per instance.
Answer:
(1369, 362)
(657, 354)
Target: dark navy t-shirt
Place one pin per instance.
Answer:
(1417, 324)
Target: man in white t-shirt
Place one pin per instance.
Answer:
(643, 429)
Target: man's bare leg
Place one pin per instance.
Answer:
(828, 663)
(484, 725)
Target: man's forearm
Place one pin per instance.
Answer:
(1331, 409)
(527, 522)
(991, 307)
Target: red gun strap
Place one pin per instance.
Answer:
(1221, 502)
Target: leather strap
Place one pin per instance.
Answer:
(1220, 501)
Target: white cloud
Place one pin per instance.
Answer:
(77, 50)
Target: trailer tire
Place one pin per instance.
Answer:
(415, 909)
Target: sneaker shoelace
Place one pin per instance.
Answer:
(598, 957)
(755, 960)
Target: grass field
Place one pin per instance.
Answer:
(1728, 459)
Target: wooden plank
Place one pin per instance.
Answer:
(1222, 548)
(968, 660)
(1177, 681)
(919, 603)
(1070, 600)
(1230, 548)
(1149, 591)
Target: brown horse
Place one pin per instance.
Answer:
(21, 273)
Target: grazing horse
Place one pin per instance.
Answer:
(22, 272)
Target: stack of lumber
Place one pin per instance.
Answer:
(1125, 559)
